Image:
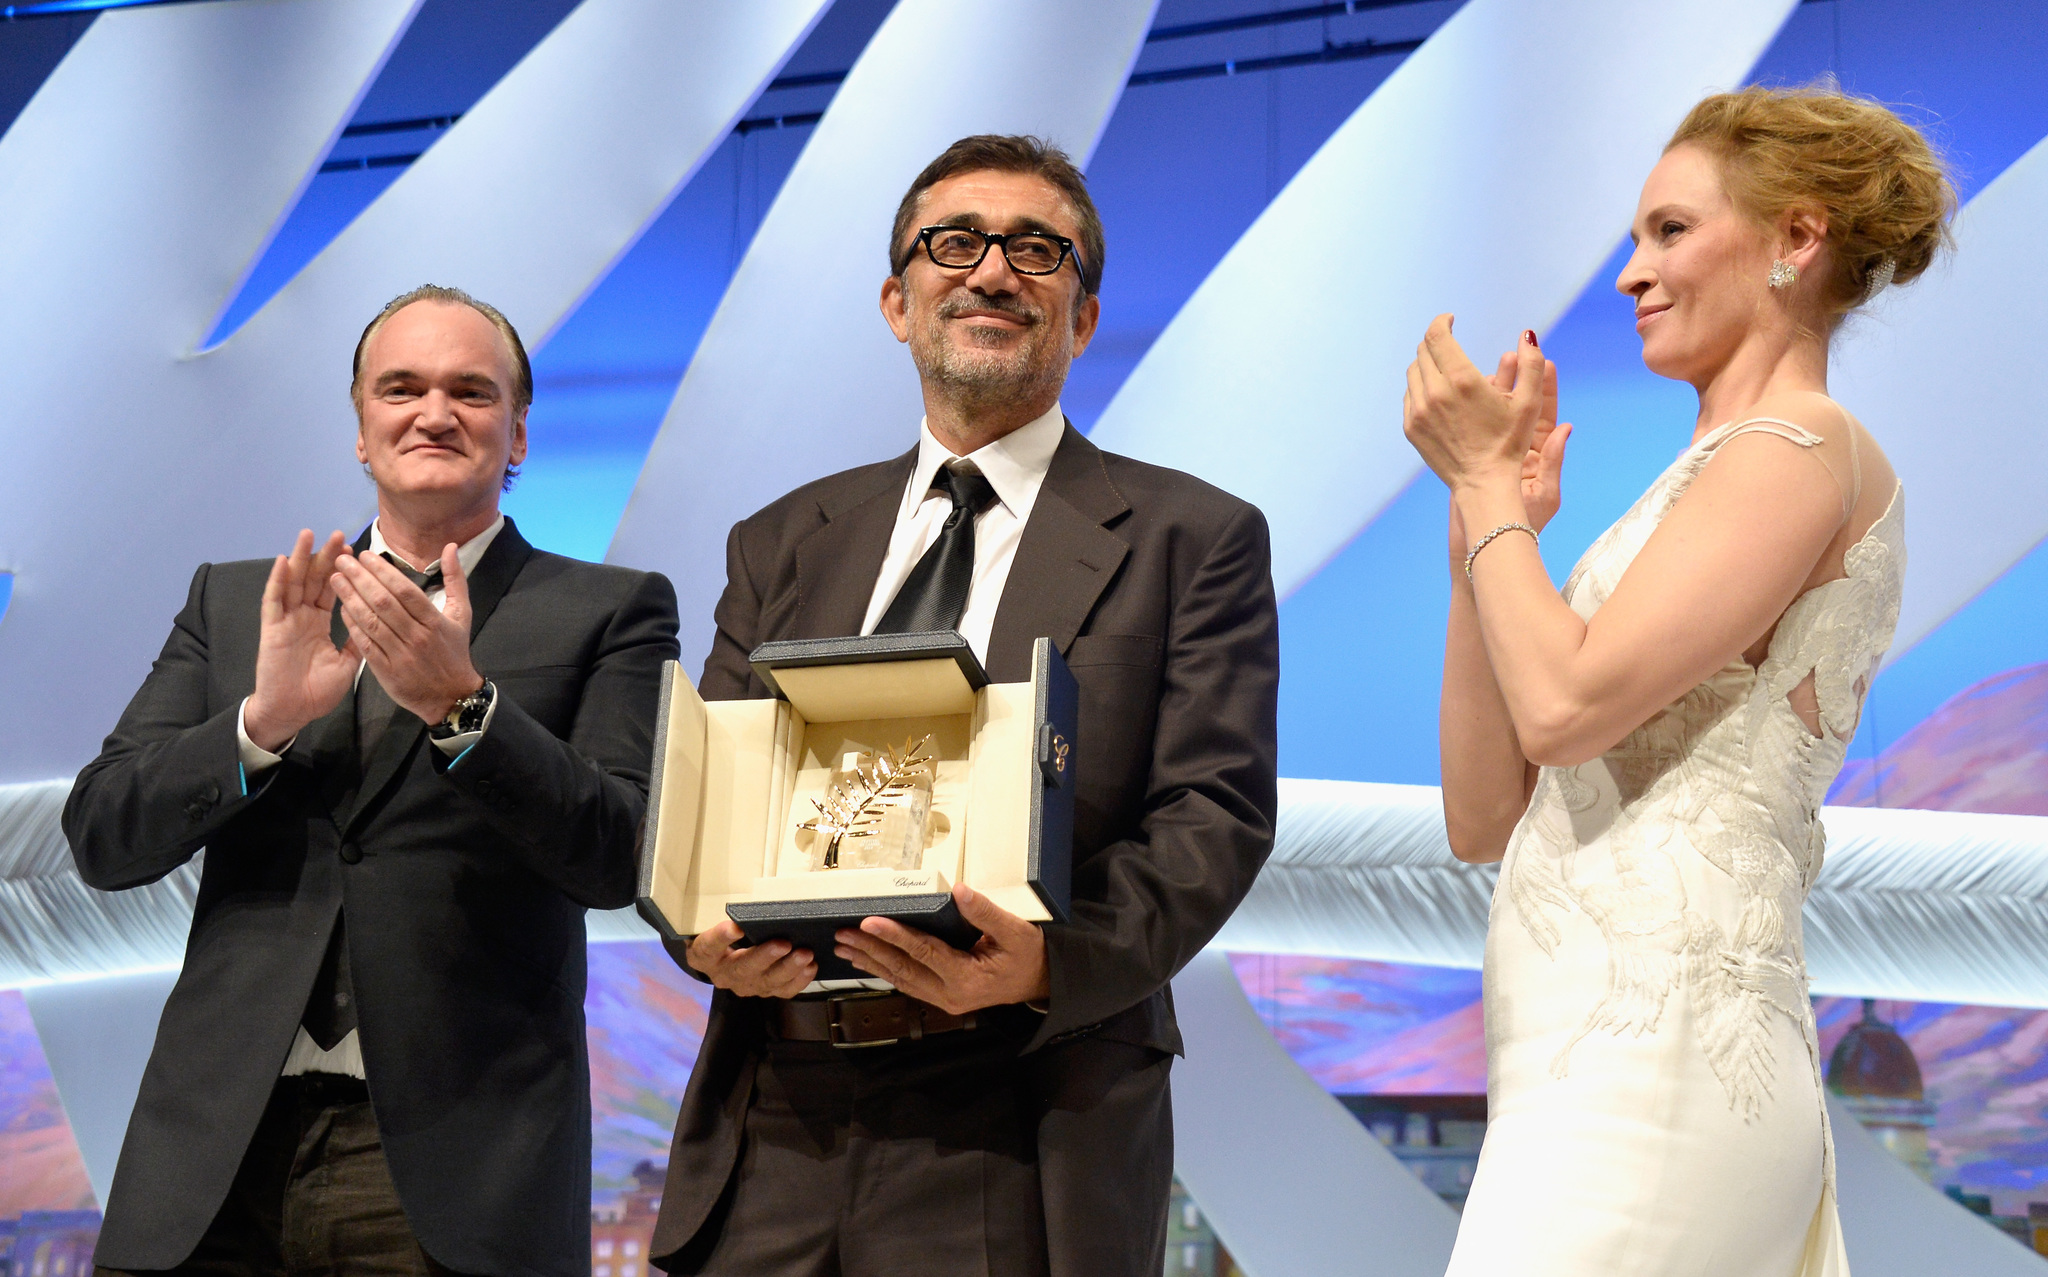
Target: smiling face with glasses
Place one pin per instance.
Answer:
(988, 296)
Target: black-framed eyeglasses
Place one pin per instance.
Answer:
(1027, 252)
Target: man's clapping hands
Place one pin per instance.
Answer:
(300, 674)
(419, 654)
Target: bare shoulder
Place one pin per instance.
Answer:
(1807, 410)
(1845, 447)
(1815, 426)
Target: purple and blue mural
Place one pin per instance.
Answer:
(1985, 750)
(39, 1165)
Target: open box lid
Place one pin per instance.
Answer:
(834, 680)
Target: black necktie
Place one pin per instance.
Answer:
(331, 1009)
(935, 593)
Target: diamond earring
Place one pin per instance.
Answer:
(1783, 274)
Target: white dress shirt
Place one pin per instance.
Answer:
(347, 1055)
(1015, 467)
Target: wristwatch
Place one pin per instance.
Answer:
(468, 714)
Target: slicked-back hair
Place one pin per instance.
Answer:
(1003, 153)
(522, 368)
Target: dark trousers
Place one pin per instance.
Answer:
(925, 1158)
(313, 1196)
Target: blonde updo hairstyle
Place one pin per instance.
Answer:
(1884, 191)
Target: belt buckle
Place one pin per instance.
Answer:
(834, 1032)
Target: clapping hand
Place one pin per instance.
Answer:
(1474, 431)
(420, 654)
(300, 675)
(1543, 463)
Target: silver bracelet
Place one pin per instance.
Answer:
(1487, 540)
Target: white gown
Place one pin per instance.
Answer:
(1653, 1076)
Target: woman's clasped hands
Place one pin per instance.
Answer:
(1475, 431)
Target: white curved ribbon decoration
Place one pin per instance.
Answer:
(183, 136)
(1489, 177)
(1971, 449)
(184, 133)
(1930, 906)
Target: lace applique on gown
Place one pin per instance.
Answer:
(1653, 1073)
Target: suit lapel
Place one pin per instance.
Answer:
(1064, 561)
(394, 752)
(328, 746)
(488, 585)
(494, 575)
(836, 565)
(327, 749)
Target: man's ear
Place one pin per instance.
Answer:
(1086, 317)
(519, 437)
(362, 449)
(893, 307)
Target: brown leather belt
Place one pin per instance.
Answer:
(862, 1019)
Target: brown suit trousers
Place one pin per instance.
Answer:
(313, 1196)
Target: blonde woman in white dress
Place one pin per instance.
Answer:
(1646, 751)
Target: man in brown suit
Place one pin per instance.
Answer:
(1008, 1112)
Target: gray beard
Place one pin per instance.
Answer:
(976, 374)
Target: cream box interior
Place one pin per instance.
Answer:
(735, 782)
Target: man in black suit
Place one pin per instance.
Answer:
(413, 763)
(1008, 1112)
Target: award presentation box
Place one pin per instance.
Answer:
(739, 788)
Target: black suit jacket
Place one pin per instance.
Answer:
(1157, 589)
(464, 887)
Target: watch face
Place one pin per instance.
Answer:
(475, 706)
(467, 715)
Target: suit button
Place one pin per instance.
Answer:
(202, 801)
(351, 854)
(484, 788)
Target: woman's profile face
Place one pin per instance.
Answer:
(1699, 270)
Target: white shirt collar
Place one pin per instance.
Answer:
(468, 554)
(1014, 465)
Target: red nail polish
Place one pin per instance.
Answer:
(1529, 335)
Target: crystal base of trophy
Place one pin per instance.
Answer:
(887, 769)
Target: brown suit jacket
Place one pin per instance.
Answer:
(1157, 589)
